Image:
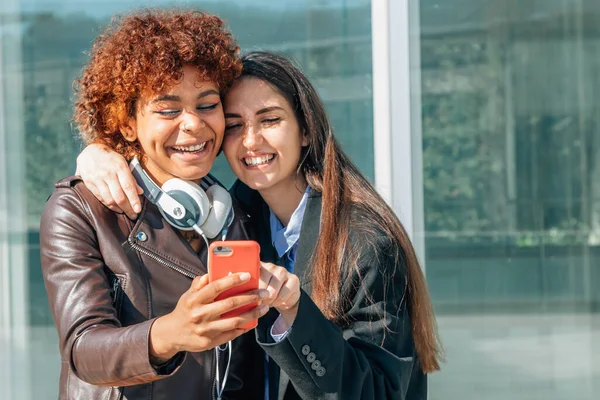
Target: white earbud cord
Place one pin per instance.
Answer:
(201, 233)
(220, 387)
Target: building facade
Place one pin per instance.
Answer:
(478, 120)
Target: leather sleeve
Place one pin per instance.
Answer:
(370, 357)
(91, 338)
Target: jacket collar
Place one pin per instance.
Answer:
(152, 234)
(253, 204)
(309, 234)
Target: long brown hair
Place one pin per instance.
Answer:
(344, 190)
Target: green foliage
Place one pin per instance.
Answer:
(51, 150)
(471, 107)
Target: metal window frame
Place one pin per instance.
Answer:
(15, 343)
(397, 136)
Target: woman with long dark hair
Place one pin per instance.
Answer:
(351, 316)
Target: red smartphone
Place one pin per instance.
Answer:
(230, 257)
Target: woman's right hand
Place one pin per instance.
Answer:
(196, 323)
(106, 174)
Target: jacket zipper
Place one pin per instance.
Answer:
(117, 294)
(156, 258)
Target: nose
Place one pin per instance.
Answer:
(252, 138)
(191, 123)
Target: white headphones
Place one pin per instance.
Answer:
(185, 205)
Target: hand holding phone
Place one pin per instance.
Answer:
(235, 256)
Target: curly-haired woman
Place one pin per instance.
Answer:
(135, 313)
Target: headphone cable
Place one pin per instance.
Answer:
(201, 233)
(220, 387)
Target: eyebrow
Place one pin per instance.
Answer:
(171, 97)
(268, 109)
(261, 111)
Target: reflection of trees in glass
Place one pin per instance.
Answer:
(462, 136)
(50, 149)
(53, 51)
(510, 139)
(455, 164)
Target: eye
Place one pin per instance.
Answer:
(208, 107)
(271, 120)
(168, 113)
(233, 126)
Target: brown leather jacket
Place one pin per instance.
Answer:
(107, 279)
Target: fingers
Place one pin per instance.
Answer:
(108, 173)
(199, 282)
(213, 289)
(265, 277)
(272, 279)
(106, 196)
(94, 191)
(199, 299)
(223, 306)
(229, 323)
(283, 287)
(131, 201)
(289, 294)
(118, 197)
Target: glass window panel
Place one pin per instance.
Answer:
(511, 156)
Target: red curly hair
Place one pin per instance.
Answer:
(144, 53)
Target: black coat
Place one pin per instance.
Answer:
(319, 359)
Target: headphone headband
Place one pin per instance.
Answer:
(154, 194)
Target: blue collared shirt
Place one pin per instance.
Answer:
(285, 240)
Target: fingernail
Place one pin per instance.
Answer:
(137, 208)
(245, 276)
(263, 293)
(263, 309)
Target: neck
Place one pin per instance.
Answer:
(160, 177)
(283, 201)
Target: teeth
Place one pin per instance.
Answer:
(196, 147)
(254, 161)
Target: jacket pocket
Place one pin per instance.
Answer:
(117, 285)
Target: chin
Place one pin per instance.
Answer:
(257, 185)
(194, 174)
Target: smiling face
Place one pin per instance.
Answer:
(180, 130)
(262, 141)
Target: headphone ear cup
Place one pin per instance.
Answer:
(194, 200)
(221, 207)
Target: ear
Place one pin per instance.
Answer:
(304, 139)
(129, 130)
